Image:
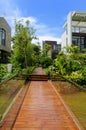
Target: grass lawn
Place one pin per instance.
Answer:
(77, 103)
(7, 92)
(3, 98)
(76, 100)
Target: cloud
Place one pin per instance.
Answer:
(44, 32)
(47, 38)
(51, 38)
(11, 11)
(31, 19)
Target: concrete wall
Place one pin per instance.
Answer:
(63, 44)
(69, 28)
(67, 35)
(4, 25)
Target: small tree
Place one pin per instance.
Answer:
(45, 59)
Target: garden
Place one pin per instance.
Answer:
(68, 69)
(68, 74)
(70, 65)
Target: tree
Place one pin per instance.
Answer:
(37, 52)
(45, 50)
(45, 59)
(22, 46)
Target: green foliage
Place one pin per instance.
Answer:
(23, 50)
(72, 49)
(3, 71)
(71, 65)
(45, 58)
(45, 62)
(45, 50)
(36, 49)
(27, 71)
(48, 72)
(75, 76)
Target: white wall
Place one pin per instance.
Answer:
(63, 40)
(69, 28)
(67, 35)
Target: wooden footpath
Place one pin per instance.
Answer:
(42, 109)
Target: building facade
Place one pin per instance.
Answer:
(75, 30)
(5, 40)
(55, 48)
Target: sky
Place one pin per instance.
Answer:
(46, 16)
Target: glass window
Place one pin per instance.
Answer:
(2, 36)
(79, 41)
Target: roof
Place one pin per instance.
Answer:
(49, 42)
(79, 16)
(78, 19)
(2, 19)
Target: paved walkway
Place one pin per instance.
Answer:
(38, 71)
(42, 109)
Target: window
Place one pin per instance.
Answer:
(79, 41)
(2, 36)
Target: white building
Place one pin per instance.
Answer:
(75, 30)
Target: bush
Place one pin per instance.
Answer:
(46, 62)
(26, 72)
(3, 71)
(48, 72)
(76, 77)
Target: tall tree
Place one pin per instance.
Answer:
(22, 47)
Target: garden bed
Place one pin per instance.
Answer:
(8, 91)
(74, 98)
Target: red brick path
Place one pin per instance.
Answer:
(43, 110)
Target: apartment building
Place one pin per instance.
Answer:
(55, 48)
(75, 30)
(5, 40)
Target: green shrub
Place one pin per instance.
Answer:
(48, 72)
(46, 62)
(3, 71)
(76, 76)
(27, 71)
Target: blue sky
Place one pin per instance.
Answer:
(47, 16)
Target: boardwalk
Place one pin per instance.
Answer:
(42, 109)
